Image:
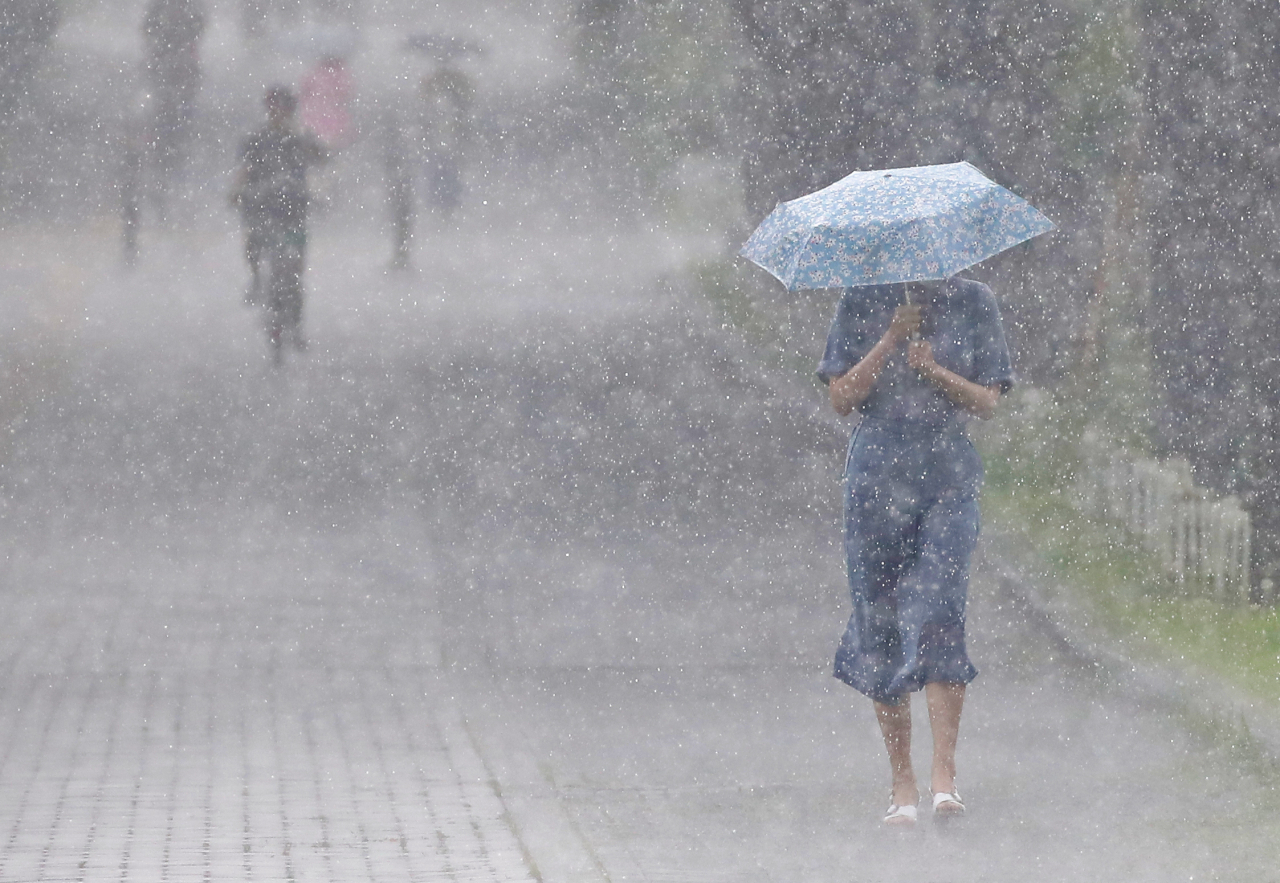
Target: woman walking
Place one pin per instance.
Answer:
(916, 373)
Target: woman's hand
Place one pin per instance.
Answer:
(906, 322)
(920, 357)
(852, 388)
(978, 400)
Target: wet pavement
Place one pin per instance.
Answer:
(523, 571)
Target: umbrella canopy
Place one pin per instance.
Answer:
(892, 225)
(442, 47)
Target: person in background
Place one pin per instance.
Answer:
(132, 160)
(171, 32)
(399, 183)
(444, 121)
(916, 374)
(271, 192)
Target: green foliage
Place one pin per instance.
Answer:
(1031, 463)
(1097, 84)
(782, 326)
(673, 83)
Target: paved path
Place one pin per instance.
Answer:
(715, 773)
(192, 713)
(520, 573)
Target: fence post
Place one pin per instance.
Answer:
(1180, 521)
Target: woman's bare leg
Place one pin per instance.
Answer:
(945, 703)
(895, 726)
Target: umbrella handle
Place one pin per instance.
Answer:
(906, 299)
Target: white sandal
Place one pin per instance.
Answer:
(900, 816)
(948, 805)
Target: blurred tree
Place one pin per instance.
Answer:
(834, 88)
(653, 91)
(1003, 89)
(26, 29)
(606, 113)
(1212, 78)
(1096, 189)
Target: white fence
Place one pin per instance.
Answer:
(1201, 540)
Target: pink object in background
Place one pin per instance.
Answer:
(325, 102)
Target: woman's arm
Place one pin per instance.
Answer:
(851, 388)
(978, 400)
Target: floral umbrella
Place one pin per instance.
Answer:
(892, 225)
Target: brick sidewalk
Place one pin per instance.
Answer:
(222, 643)
(150, 733)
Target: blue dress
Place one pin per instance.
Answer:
(912, 479)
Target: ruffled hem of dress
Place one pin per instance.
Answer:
(902, 685)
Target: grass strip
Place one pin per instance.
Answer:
(1029, 494)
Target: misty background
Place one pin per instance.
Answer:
(530, 566)
(1141, 128)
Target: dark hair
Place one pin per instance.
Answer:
(282, 97)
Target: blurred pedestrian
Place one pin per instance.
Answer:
(444, 124)
(132, 160)
(171, 32)
(916, 374)
(272, 195)
(399, 183)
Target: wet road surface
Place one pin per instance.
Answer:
(522, 571)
